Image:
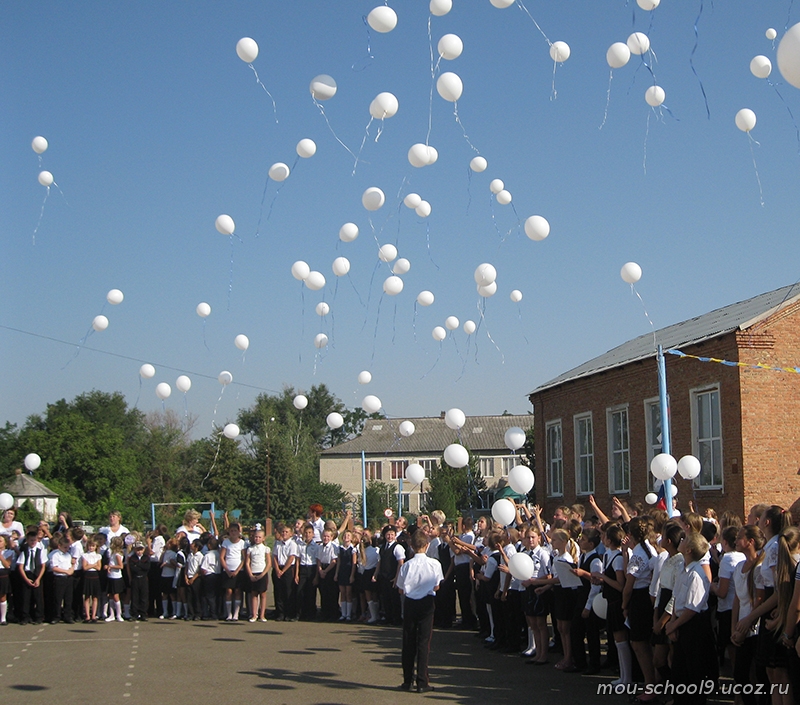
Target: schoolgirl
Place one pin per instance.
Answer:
(345, 575)
(179, 587)
(92, 565)
(724, 589)
(511, 600)
(489, 588)
(116, 583)
(101, 540)
(232, 556)
(258, 562)
(326, 573)
(367, 563)
(168, 564)
(585, 623)
(536, 604)
(7, 559)
(194, 590)
(76, 535)
(565, 550)
(284, 558)
(211, 574)
(462, 572)
(671, 536)
(156, 542)
(445, 599)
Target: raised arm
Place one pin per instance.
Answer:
(600, 514)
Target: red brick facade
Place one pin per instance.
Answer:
(759, 415)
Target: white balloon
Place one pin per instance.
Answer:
(163, 390)
(306, 148)
(504, 197)
(648, 5)
(452, 323)
(373, 198)
(663, 466)
(488, 290)
(406, 429)
(364, 377)
(382, 19)
(45, 178)
(537, 228)
(450, 46)
(183, 384)
(516, 296)
(6, 501)
(412, 200)
(402, 266)
(231, 431)
(203, 309)
(502, 4)
(440, 7)
(485, 274)
(279, 171)
(341, 266)
(439, 333)
(224, 224)
(771, 34)
(348, 232)
(600, 606)
(433, 155)
(322, 309)
(514, 438)
(300, 401)
(651, 498)
(225, 378)
(630, 272)
(334, 420)
(520, 565)
(384, 105)
(559, 51)
(496, 186)
(454, 418)
(425, 298)
(470, 327)
(315, 280)
(322, 87)
(478, 164)
(320, 341)
(100, 323)
(423, 210)
(745, 119)
(415, 473)
(387, 253)
(689, 467)
(115, 297)
(32, 462)
(760, 66)
(242, 342)
(392, 285)
(418, 155)
(504, 512)
(449, 86)
(371, 404)
(456, 455)
(638, 43)
(39, 145)
(654, 96)
(300, 270)
(788, 55)
(521, 479)
(618, 55)
(147, 371)
(247, 49)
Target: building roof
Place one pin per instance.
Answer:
(431, 435)
(738, 316)
(26, 486)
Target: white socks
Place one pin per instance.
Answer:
(236, 604)
(531, 642)
(118, 610)
(491, 621)
(227, 609)
(625, 663)
(126, 609)
(3, 611)
(373, 612)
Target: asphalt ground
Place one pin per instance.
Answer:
(298, 663)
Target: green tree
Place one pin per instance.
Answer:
(455, 490)
(380, 496)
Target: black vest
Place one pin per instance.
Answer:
(611, 594)
(388, 563)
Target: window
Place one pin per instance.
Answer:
(428, 465)
(405, 502)
(373, 469)
(555, 459)
(399, 469)
(708, 437)
(507, 463)
(619, 460)
(584, 454)
(652, 420)
(487, 467)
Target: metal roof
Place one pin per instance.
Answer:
(431, 435)
(738, 316)
(26, 486)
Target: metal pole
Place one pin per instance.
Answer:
(363, 488)
(664, 404)
(153, 515)
(400, 497)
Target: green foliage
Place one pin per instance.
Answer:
(27, 514)
(455, 490)
(380, 496)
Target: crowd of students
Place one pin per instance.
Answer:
(674, 597)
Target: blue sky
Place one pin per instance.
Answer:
(156, 127)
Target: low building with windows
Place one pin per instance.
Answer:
(387, 454)
(733, 382)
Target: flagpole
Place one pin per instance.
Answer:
(665, 430)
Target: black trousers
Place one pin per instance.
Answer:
(585, 629)
(463, 575)
(307, 592)
(36, 594)
(446, 603)
(194, 604)
(390, 600)
(139, 596)
(329, 596)
(211, 583)
(63, 590)
(417, 633)
(285, 593)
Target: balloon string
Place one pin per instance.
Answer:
(352, 283)
(464, 359)
(369, 295)
(647, 315)
(214, 416)
(275, 197)
(61, 192)
(455, 343)
(494, 220)
(428, 241)
(185, 407)
(230, 276)
(553, 91)
(375, 333)
(755, 166)
(433, 79)
(463, 129)
(482, 309)
(536, 24)
(41, 215)
(370, 56)
(380, 128)
(646, 133)
(330, 127)
(361, 148)
(608, 98)
(788, 16)
(435, 363)
(216, 455)
(394, 322)
(263, 198)
(414, 321)
(204, 336)
(519, 221)
(80, 345)
(469, 189)
(519, 316)
(302, 322)
(691, 58)
(258, 81)
(791, 115)
(139, 393)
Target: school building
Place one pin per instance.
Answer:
(733, 382)
(387, 454)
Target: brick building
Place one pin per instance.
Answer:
(599, 424)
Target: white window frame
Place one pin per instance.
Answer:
(694, 395)
(555, 464)
(376, 465)
(428, 464)
(652, 449)
(486, 466)
(405, 502)
(507, 462)
(613, 452)
(393, 472)
(577, 421)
